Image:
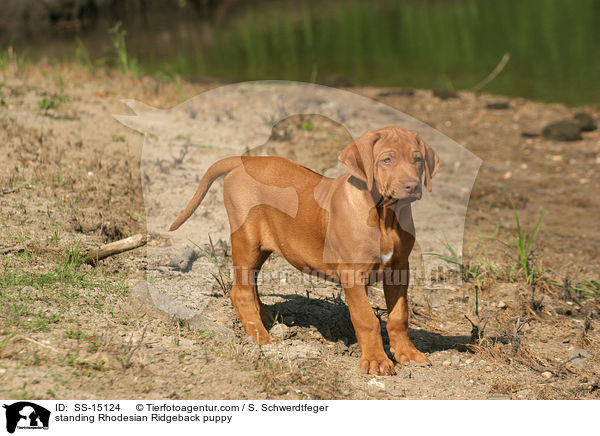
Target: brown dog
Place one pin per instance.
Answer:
(353, 230)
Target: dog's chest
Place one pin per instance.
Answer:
(385, 258)
(388, 245)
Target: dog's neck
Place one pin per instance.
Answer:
(393, 213)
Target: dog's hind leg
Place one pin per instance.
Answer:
(247, 260)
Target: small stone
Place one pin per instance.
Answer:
(374, 383)
(403, 92)
(530, 134)
(585, 121)
(500, 397)
(565, 130)
(455, 360)
(579, 357)
(435, 300)
(501, 305)
(523, 393)
(280, 330)
(469, 361)
(301, 350)
(547, 374)
(444, 94)
(446, 363)
(499, 105)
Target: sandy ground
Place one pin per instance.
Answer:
(74, 176)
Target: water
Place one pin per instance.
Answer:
(554, 45)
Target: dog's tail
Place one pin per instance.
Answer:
(217, 169)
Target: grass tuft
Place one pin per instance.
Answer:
(223, 282)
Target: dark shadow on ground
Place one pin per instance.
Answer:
(332, 319)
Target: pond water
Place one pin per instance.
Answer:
(554, 45)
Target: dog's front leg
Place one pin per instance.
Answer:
(368, 332)
(397, 326)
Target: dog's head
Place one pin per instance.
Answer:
(392, 160)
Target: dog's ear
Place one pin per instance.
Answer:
(358, 157)
(430, 160)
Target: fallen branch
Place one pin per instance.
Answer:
(33, 341)
(95, 254)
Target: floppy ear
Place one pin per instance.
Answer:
(358, 157)
(431, 161)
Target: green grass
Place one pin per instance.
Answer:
(588, 289)
(221, 278)
(307, 125)
(452, 45)
(51, 102)
(36, 294)
(525, 248)
(522, 250)
(8, 55)
(83, 56)
(127, 63)
(468, 271)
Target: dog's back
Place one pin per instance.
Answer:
(272, 200)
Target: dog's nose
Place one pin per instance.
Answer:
(410, 186)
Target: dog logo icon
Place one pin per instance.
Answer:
(26, 415)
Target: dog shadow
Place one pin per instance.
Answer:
(331, 318)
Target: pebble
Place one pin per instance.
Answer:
(501, 305)
(585, 121)
(444, 94)
(565, 130)
(376, 384)
(280, 330)
(469, 361)
(524, 393)
(500, 105)
(446, 363)
(547, 374)
(579, 357)
(500, 397)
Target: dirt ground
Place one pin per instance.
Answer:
(72, 178)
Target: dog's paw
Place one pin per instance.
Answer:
(264, 338)
(377, 366)
(410, 354)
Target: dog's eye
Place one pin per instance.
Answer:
(387, 160)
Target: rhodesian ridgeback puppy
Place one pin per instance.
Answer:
(352, 230)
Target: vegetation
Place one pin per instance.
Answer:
(436, 45)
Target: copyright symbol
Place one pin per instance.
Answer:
(139, 407)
